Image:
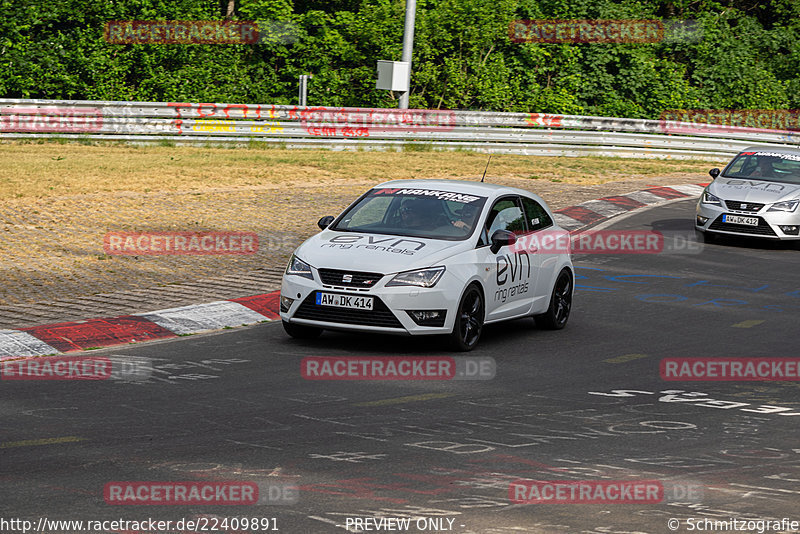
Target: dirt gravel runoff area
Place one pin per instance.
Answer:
(59, 202)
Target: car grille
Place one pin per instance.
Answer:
(335, 277)
(762, 229)
(379, 315)
(743, 206)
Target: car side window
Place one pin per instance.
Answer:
(506, 214)
(536, 215)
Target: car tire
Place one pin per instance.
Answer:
(469, 320)
(557, 314)
(301, 331)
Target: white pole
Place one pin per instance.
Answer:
(408, 47)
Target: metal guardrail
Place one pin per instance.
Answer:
(376, 129)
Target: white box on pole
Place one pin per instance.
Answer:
(393, 75)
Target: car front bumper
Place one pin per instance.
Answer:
(388, 315)
(771, 224)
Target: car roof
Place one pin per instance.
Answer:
(777, 150)
(483, 189)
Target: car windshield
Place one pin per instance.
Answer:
(426, 213)
(770, 166)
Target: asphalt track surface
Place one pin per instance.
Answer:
(232, 406)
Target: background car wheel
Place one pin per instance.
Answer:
(557, 314)
(300, 331)
(469, 320)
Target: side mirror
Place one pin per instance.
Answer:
(325, 222)
(714, 173)
(502, 238)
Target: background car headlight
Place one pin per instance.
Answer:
(710, 199)
(421, 277)
(298, 267)
(786, 205)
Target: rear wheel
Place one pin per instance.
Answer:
(301, 331)
(469, 320)
(557, 314)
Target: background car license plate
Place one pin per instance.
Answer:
(738, 219)
(344, 301)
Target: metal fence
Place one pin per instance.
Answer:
(376, 129)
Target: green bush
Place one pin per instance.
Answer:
(748, 57)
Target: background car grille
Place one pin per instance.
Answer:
(748, 206)
(333, 277)
(762, 229)
(379, 315)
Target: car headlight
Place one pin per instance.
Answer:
(786, 205)
(420, 277)
(298, 267)
(710, 199)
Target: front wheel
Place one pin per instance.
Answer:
(469, 320)
(557, 314)
(301, 331)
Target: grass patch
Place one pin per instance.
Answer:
(417, 147)
(53, 169)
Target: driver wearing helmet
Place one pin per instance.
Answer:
(466, 216)
(419, 213)
(763, 168)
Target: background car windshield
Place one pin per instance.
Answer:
(414, 212)
(763, 166)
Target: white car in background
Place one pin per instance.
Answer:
(756, 195)
(425, 257)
